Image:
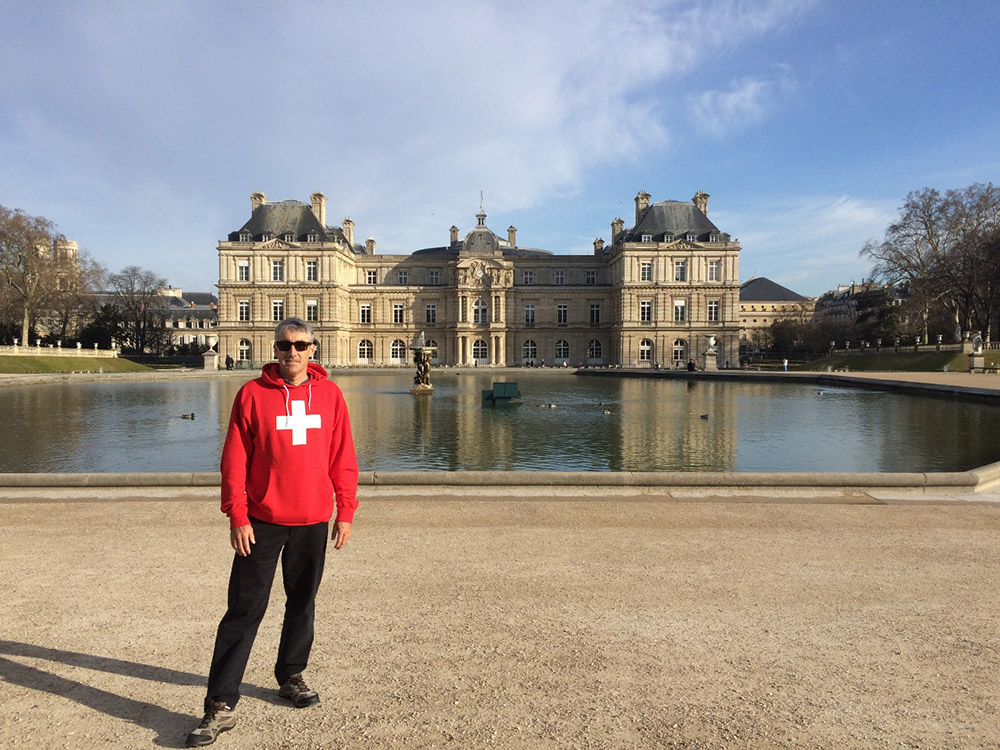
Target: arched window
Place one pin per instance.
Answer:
(562, 349)
(436, 354)
(397, 352)
(480, 350)
(645, 350)
(479, 312)
(529, 350)
(366, 352)
(595, 351)
(244, 350)
(680, 350)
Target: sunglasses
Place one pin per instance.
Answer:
(300, 346)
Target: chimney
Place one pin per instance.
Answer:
(370, 246)
(319, 207)
(257, 200)
(598, 246)
(454, 234)
(512, 235)
(641, 204)
(617, 227)
(348, 227)
(701, 201)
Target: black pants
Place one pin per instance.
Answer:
(302, 550)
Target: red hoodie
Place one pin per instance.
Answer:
(288, 451)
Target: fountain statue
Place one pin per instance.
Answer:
(422, 355)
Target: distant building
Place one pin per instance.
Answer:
(191, 317)
(764, 302)
(842, 302)
(654, 294)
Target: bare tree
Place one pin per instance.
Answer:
(27, 262)
(936, 248)
(139, 302)
(73, 300)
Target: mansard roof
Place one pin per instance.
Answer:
(288, 217)
(507, 250)
(761, 289)
(672, 219)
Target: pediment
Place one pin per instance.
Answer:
(277, 244)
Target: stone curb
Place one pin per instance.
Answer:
(960, 482)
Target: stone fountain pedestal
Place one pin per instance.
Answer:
(422, 356)
(711, 354)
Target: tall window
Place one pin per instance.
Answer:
(560, 277)
(398, 350)
(371, 277)
(680, 350)
(562, 314)
(680, 310)
(244, 350)
(529, 350)
(714, 271)
(479, 312)
(402, 278)
(312, 310)
(243, 310)
(397, 312)
(713, 311)
(595, 314)
(646, 270)
(591, 278)
(562, 349)
(431, 314)
(680, 270)
(366, 352)
(529, 314)
(243, 270)
(277, 270)
(366, 312)
(312, 270)
(595, 350)
(645, 350)
(527, 278)
(277, 310)
(645, 311)
(433, 278)
(479, 349)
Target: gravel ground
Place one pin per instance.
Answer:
(618, 622)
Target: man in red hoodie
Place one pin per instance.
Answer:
(288, 453)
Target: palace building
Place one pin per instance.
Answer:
(659, 294)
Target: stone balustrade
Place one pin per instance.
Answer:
(56, 351)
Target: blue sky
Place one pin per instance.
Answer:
(141, 128)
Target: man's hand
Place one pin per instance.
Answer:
(341, 533)
(241, 538)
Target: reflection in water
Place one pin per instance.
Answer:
(675, 424)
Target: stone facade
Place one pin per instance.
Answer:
(763, 303)
(651, 297)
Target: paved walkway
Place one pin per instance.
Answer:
(483, 622)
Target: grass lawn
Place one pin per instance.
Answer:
(902, 362)
(29, 364)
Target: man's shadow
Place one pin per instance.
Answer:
(171, 727)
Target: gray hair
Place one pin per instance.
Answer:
(294, 324)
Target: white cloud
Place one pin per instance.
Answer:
(747, 102)
(401, 112)
(812, 243)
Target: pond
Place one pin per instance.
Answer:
(565, 423)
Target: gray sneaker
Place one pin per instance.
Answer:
(300, 694)
(218, 718)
